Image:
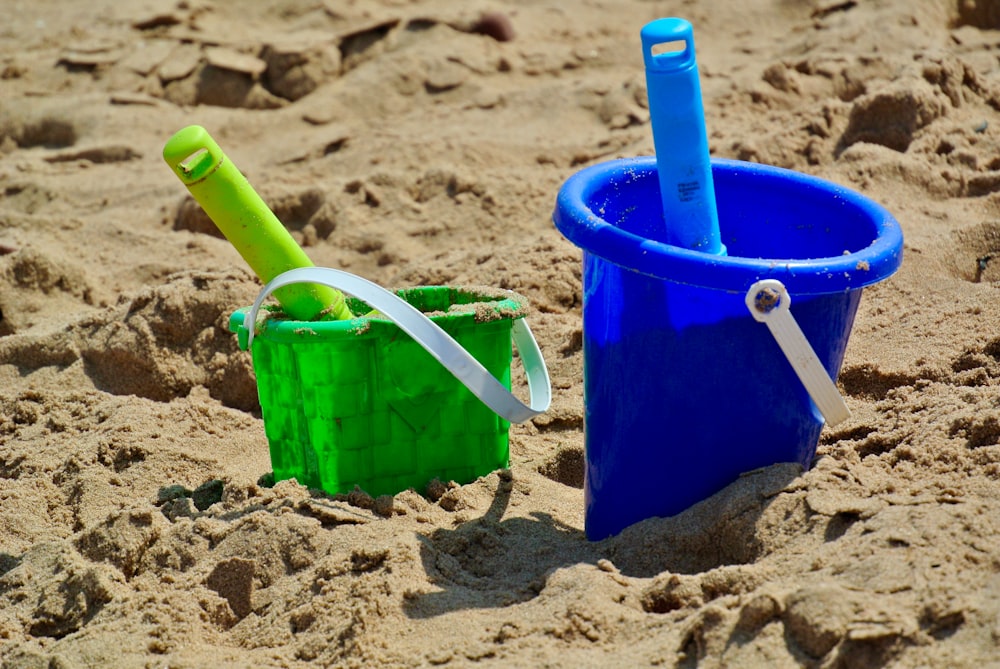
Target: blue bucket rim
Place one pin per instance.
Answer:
(816, 276)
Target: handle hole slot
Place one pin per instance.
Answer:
(671, 48)
(196, 163)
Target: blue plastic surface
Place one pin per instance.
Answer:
(681, 144)
(683, 390)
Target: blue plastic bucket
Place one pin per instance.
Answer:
(683, 389)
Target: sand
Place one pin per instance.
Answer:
(411, 143)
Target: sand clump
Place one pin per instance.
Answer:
(423, 143)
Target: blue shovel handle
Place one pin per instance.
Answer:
(681, 143)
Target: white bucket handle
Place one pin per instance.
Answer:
(769, 303)
(436, 341)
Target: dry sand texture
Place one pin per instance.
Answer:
(397, 139)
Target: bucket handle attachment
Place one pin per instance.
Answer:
(435, 340)
(769, 303)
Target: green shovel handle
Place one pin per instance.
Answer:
(247, 222)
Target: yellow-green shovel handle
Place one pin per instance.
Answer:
(247, 222)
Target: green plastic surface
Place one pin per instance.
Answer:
(247, 222)
(359, 402)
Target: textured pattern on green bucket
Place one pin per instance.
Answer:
(359, 402)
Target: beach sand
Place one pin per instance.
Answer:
(413, 143)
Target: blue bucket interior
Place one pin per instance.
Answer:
(683, 390)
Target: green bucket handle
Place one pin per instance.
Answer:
(435, 341)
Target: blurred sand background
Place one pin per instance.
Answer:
(412, 143)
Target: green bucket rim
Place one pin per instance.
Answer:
(466, 305)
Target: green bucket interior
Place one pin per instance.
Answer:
(359, 403)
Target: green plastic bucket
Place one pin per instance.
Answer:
(363, 403)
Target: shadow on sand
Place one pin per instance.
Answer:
(493, 562)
